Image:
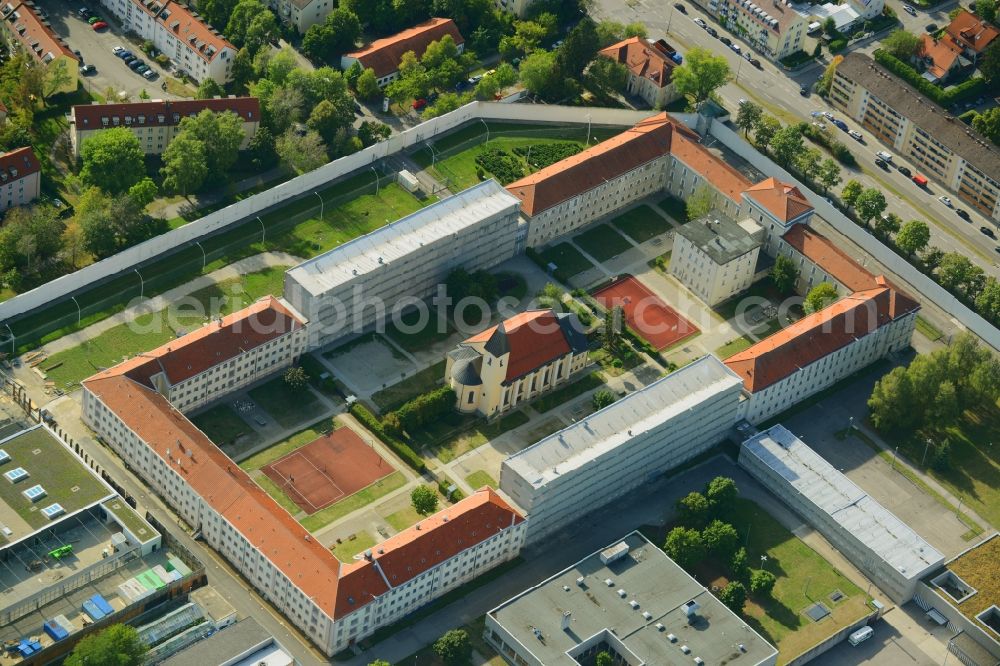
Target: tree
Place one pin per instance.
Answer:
(852, 190)
(958, 273)
(208, 89)
(602, 399)
(891, 402)
(216, 11)
(367, 86)
(734, 596)
(541, 76)
(945, 409)
(700, 203)
(762, 582)
(765, 130)
(220, 135)
(239, 21)
(784, 274)
(685, 546)
(739, 563)
(902, 44)
(748, 115)
(870, 204)
(721, 539)
(263, 29)
(886, 225)
(424, 500)
(303, 152)
(787, 144)
(379, 662)
(988, 300)
(819, 297)
(505, 75)
(941, 458)
(325, 120)
(721, 493)
(487, 89)
(987, 10)
(609, 75)
(371, 132)
(118, 645)
(612, 328)
(454, 647)
(112, 160)
(336, 35)
(989, 63)
(445, 103)
(609, 32)
(809, 163)
(987, 123)
(829, 174)
(261, 149)
(694, 509)
(701, 74)
(185, 166)
(296, 379)
(913, 237)
(604, 659)
(579, 48)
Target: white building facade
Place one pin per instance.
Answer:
(604, 456)
(715, 257)
(368, 279)
(20, 178)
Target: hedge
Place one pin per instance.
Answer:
(961, 92)
(426, 408)
(836, 148)
(401, 449)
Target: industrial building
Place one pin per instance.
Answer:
(244, 643)
(371, 278)
(610, 453)
(887, 550)
(631, 601)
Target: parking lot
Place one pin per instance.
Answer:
(96, 49)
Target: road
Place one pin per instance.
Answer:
(778, 93)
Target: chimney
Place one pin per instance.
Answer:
(567, 617)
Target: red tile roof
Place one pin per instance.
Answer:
(643, 59)
(533, 339)
(148, 114)
(785, 201)
(609, 159)
(424, 546)
(384, 55)
(818, 335)
(213, 343)
(970, 32)
(942, 53)
(38, 39)
(818, 249)
(726, 179)
(17, 164)
(198, 37)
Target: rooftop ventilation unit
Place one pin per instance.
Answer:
(671, 638)
(685, 649)
(622, 593)
(699, 660)
(609, 582)
(691, 608)
(659, 626)
(647, 615)
(634, 604)
(579, 581)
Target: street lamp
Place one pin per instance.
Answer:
(263, 232)
(588, 129)
(320, 205)
(79, 315)
(13, 349)
(204, 259)
(375, 171)
(487, 129)
(926, 447)
(142, 283)
(894, 452)
(763, 561)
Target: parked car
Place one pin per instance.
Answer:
(945, 200)
(712, 31)
(475, 79)
(885, 156)
(963, 214)
(735, 47)
(903, 170)
(987, 231)
(700, 23)
(87, 69)
(117, 50)
(141, 69)
(150, 74)
(418, 104)
(820, 126)
(932, 27)
(129, 59)
(83, 12)
(804, 91)
(93, 19)
(136, 64)
(725, 40)
(882, 164)
(680, 7)
(756, 63)
(827, 115)
(100, 25)
(909, 10)
(856, 135)
(840, 123)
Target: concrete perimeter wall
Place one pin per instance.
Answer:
(882, 253)
(305, 185)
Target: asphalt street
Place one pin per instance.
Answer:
(778, 93)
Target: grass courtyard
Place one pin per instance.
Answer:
(223, 426)
(734, 346)
(424, 381)
(456, 434)
(567, 259)
(549, 401)
(285, 405)
(602, 242)
(642, 223)
(352, 503)
(480, 478)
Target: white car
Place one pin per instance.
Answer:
(945, 200)
(828, 115)
(117, 49)
(700, 23)
(882, 155)
(735, 47)
(856, 135)
(820, 126)
(909, 10)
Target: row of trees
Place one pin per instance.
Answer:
(419, 412)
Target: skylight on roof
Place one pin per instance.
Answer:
(53, 510)
(34, 493)
(4, 456)
(16, 474)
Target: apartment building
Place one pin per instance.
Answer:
(608, 454)
(302, 14)
(25, 29)
(944, 148)
(155, 123)
(131, 407)
(650, 68)
(778, 207)
(384, 55)
(715, 256)
(178, 32)
(819, 260)
(20, 178)
(517, 360)
(890, 553)
(773, 28)
(368, 279)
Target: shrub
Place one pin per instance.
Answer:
(426, 408)
(762, 582)
(838, 45)
(961, 92)
(401, 449)
(544, 154)
(500, 163)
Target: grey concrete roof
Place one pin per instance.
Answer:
(819, 482)
(609, 428)
(464, 372)
(928, 116)
(223, 646)
(660, 588)
(721, 237)
(367, 253)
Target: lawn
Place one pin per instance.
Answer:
(284, 447)
(556, 398)
(130, 519)
(480, 478)
(661, 263)
(642, 223)
(675, 208)
(456, 434)
(222, 425)
(148, 331)
(427, 656)
(618, 363)
(567, 259)
(403, 518)
(352, 545)
(733, 347)
(422, 338)
(349, 505)
(286, 406)
(279, 496)
(422, 382)
(929, 330)
(602, 242)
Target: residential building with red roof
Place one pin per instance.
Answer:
(302, 14)
(20, 178)
(775, 29)
(942, 58)
(138, 408)
(971, 33)
(156, 122)
(517, 360)
(25, 28)
(384, 55)
(178, 32)
(650, 68)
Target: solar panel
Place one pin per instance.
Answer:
(4, 456)
(53, 510)
(34, 492)
(16, 474)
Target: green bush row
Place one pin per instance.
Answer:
(544, 154)
(836, 148)
(426, 408)
(961, 92)
(444, 483)
(500, 163)
(400, 448)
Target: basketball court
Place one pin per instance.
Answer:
(327, 469)
(645, 313)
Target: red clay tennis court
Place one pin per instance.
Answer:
(645, 313)
(327, 470)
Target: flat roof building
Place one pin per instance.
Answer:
(716, 256)
(869, 535)
(630, 600)
(244, 643)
